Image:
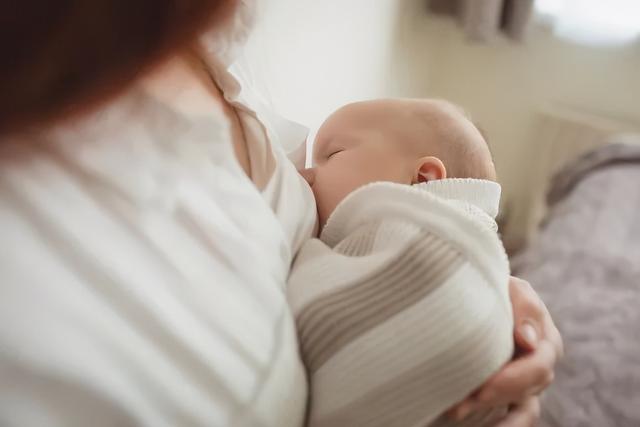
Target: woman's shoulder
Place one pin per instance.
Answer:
(277, 149)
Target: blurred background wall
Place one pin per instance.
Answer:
(311, 57)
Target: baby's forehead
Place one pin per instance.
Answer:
(355, 117)
(406, 117)
(406, 112)
(397, 106)
(369, 112)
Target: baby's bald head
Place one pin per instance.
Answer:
(405, 141)
(443, 130)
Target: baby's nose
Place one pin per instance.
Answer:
(309, 175)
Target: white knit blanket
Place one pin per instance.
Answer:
(402, 305)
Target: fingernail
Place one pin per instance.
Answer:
(529, 334)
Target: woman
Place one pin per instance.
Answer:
(149, 220)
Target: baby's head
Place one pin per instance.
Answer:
(405, 141)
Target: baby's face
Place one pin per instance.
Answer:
(386, 140)
(354, 147)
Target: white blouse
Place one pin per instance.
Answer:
(142, 273)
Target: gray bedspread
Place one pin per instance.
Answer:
(585, 263)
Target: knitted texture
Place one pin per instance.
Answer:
(402, 305)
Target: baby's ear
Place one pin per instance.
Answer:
(428, 169)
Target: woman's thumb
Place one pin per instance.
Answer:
(526, 336)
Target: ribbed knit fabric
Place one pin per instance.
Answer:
(402, 305)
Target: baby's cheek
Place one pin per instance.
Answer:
(325, 198)
(329, 190)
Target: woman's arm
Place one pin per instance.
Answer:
(519, 383)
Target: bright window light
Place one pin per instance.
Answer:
(593, 22)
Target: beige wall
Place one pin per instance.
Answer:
(316, 55)
(503, 84)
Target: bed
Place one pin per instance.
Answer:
(585, 264)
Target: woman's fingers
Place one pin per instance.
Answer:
(521, 379)
(525, 415)
(529, 313)
(553, 335)
(538, 346)
(531, 317)
(524, 377)
(462, 409)
(526, 336)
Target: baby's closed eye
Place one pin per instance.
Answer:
(334, 152)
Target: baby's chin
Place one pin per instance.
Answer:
(320, 225)
(323, 216)
(326, 203)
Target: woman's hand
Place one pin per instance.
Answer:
(518, 384)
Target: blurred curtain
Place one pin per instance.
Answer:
(481, 20)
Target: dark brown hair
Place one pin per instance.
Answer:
(61, 57)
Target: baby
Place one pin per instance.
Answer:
(401, 304)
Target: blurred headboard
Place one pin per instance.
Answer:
(559, 136)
